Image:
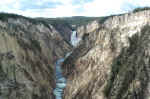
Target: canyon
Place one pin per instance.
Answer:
(109, 59)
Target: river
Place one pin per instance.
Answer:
(60, 79)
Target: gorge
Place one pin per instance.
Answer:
(99, 58)
(60, 79)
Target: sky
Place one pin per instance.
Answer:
(66, 8)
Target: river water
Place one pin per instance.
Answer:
(60, 79)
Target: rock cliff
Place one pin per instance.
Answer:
(112, 61)
(28, 51)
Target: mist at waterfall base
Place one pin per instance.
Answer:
(60, 79)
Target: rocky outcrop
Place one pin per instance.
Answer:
(115, 61)
(28, 51)
(61, 24)
(65, 30)
(130, 71)
(88, 28)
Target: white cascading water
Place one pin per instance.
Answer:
(60, 79)
(74, 40)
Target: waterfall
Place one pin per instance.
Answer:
(74, 40)
(60, 79)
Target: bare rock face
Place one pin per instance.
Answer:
(112, 61)
(90, 27)
(65, 30)
(28, 51)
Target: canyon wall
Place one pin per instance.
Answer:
(112, 61)
(28, 51)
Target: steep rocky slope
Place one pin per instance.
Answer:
(28, 51)
(112, 61)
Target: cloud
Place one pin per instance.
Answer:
(99, 8)
(63, 8)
